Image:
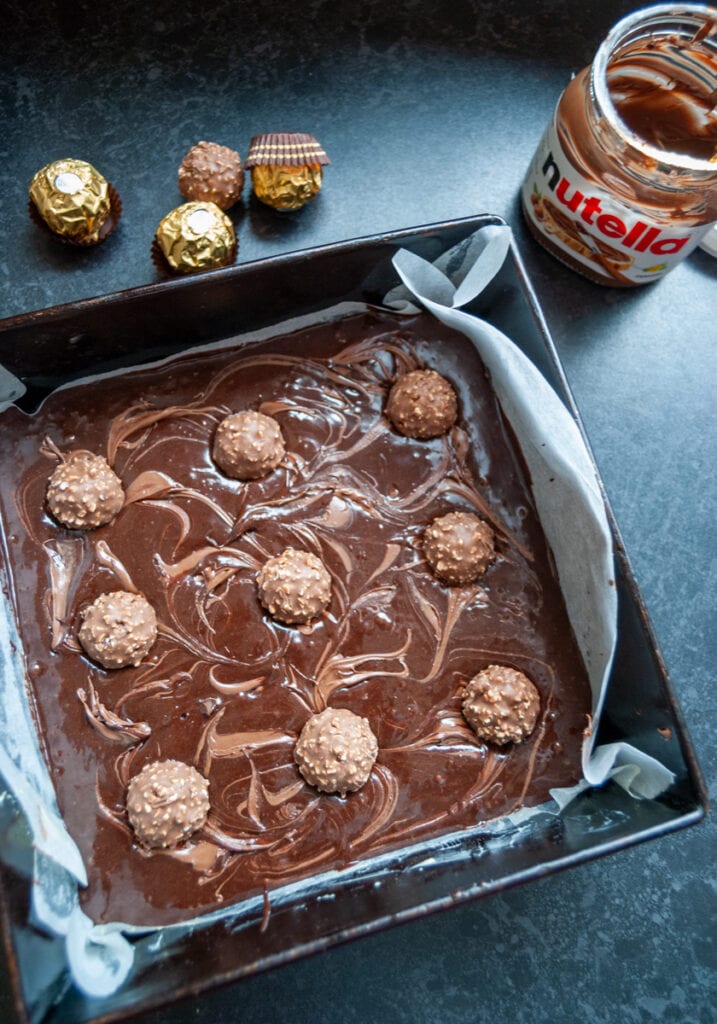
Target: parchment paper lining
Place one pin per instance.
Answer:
(572, 513)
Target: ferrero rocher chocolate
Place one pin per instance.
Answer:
(73, 200)
(501, 705)
(166, 803)
(294, 586)
(336, 751)
(196, 236)
(285, 168)
(211, 172)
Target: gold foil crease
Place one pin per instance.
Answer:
(197, 236)
(286, 188)
(78, 214)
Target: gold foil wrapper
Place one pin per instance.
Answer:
(196, 236)
(285, 188)
(72, 198)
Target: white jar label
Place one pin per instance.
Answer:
(615, 241)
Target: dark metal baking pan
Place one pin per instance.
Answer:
(55, 345)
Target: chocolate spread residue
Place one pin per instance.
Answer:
(227, 689)
(665, 91)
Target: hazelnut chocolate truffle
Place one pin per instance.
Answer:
(501, 705)
(166, 803)
(458, 547)
(422, 404)
(83, 492)
(294, 586)
(248, 445)
(336, 751)
(194, 236)
(213, 173)
(74, 201)
(286, 168)
(118, 629)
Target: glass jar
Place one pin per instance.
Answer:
(623, 184)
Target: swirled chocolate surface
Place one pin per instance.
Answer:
(226, 688)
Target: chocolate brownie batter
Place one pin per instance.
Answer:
(227, 689)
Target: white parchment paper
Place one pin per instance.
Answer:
(572, 513)
(566, 490)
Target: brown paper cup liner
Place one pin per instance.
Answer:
(106, 230)
(285, 149)
(163, 267)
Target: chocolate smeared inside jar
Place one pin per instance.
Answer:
(623, 185)
(665, 91)
(286, 168)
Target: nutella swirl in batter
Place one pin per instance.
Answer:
(378, 660)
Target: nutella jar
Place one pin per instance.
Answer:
(623, 185)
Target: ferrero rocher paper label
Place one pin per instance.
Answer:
(72, 198)
(196, 236)
(285, 188)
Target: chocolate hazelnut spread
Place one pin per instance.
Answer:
(226, 690)
(623, 185)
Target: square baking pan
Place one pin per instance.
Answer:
(57, 345)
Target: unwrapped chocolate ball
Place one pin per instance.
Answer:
(286, 168)
(422, 404)
(213, 173)
(118, 629)
(294, 586)
(196, 236)
(83, 492)
(336, 751)
(166, 803)
(248, 445)
(458, 547)
(74, 201)
(501, 705)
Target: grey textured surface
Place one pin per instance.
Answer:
(429, 111)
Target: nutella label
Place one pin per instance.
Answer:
(618, 242)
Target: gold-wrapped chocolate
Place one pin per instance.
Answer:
(285, 188)
(286, 168)
(74, 201)
(196, 236)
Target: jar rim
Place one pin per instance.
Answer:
(665, 16)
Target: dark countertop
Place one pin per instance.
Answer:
(429, 112)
